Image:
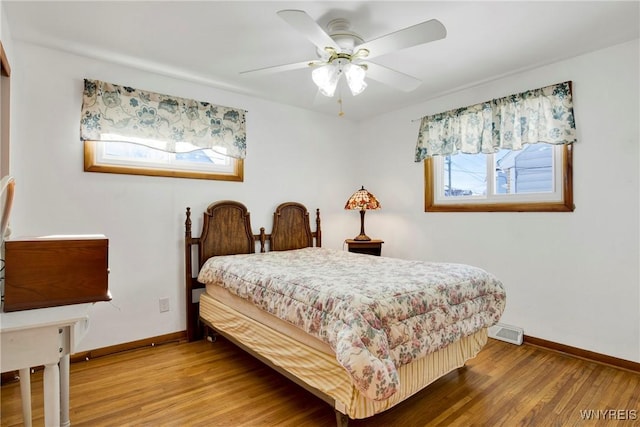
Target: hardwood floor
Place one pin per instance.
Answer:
(216, 384)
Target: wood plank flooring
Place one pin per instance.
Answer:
(216, 384)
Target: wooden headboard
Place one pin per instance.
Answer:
(291, 228)
(226, 230)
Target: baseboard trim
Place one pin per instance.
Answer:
(133, 345)
(583, 354)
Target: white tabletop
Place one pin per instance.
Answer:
(23, 319)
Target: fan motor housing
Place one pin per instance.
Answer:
(340, 30)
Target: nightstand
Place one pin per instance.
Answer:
(369, 247)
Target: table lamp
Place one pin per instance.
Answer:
(362, 200)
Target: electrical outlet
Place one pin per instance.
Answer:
(164, 305)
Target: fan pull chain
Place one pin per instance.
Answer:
(341, 113)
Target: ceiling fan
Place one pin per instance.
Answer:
(342, 51)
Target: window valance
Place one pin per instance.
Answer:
(110, 110)
(539, 115)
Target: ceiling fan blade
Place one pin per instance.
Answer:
(302, 22)
(393, 78)
(279, 68)
(424, 32)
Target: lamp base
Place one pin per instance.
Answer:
(362, 237)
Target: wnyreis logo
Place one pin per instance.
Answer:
(609, 414)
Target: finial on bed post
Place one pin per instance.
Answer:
(187, 224)
(263, 239)
(318, 232)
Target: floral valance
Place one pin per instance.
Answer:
(539, 115)
(110, 110)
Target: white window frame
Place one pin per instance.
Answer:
(560, 200)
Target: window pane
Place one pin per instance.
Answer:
(114, 150)
(131, 152)
(529, 170)
(465, 175)
(203, 155)
(113, 138)
(193, 157)
(132, 157)
(537, 178)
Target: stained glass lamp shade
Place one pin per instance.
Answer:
(363, 201)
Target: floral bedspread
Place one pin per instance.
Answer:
(376, 313)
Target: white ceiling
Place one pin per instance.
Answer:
(213, 41)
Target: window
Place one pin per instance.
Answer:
(508, 154)
(536, 178)
(121, 155)
(130, 131)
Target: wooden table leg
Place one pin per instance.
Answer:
(25, 394)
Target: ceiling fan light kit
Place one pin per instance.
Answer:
(326, 77)
(341, 51)
(355, 75)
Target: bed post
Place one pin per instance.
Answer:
(189, 241)
(318, 232)
(187, 268)
(263, 238)
(341, 419)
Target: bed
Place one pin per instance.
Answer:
(361, 332)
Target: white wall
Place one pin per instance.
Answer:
(571, 278)
(292, 155)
